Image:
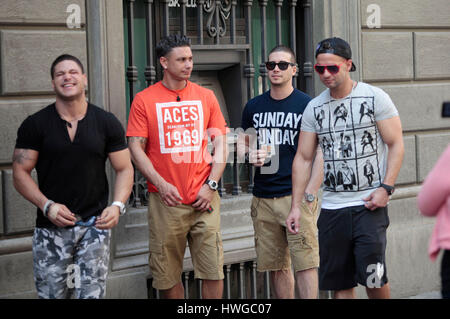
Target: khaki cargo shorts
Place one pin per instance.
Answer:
(275, 245)
(170, 229)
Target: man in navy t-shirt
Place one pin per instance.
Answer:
(271, 123)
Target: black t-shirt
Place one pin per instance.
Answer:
(277, 123)
(72, 173)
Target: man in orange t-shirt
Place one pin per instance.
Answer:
(168, 131)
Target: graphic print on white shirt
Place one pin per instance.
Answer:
(355, 156)
(180, 126)
(348, 134)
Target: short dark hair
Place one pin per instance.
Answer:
(167, 43)
(64, 57)
(283, 48)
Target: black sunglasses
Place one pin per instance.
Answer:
(282, 65)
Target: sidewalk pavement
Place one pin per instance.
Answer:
(427, 295)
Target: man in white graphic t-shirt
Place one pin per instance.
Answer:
(353, 220)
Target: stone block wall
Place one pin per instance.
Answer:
(407, 55)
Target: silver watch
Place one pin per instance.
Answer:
(212, 184)
(122, 207)
(309, 197)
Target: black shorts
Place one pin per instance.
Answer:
(445, 275)
(352, 245)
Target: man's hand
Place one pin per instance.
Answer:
(61, 216)
(257, 157)
(204, 198)
(109, 217)
(292, 221)
(169, 194)
(378, 198)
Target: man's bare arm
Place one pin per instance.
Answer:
(301, 173)
(316, 178)
(219, 161)
(24, 161)
(169, 193)
(137, 147)
(302, 166)
(392, 135)
(121, 163)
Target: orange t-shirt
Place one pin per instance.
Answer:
(177, 133)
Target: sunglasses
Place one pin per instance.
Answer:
(333, 68)
(282, 65)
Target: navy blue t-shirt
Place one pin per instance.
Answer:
(277, 123)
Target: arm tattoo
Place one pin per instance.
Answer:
(20, 155)
(141, 140)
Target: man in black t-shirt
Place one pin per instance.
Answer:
(275, 117)
(68, 143)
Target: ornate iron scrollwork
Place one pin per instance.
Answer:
(139, 195)
(220, 9)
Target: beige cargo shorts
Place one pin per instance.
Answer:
(170, 229)
(275, 245)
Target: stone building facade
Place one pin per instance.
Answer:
(401, 46)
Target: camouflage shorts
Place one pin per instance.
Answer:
(71, 262)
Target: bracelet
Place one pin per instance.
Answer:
(47, 206)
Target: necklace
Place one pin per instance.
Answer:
(177, 92)
(64, 113)
(69, 122)
(337, 150)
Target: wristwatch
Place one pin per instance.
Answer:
(122, 207)
(212, 184)
(309, 197)
(389, 189)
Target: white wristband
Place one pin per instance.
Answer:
(46, 206)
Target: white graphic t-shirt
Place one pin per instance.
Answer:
(354, 153)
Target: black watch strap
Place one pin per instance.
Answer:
(389, 189)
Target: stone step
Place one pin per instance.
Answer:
(235, 218)
(227, 203)
(232, 208)
(231, 203)
(135, 216)
(236, 229)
